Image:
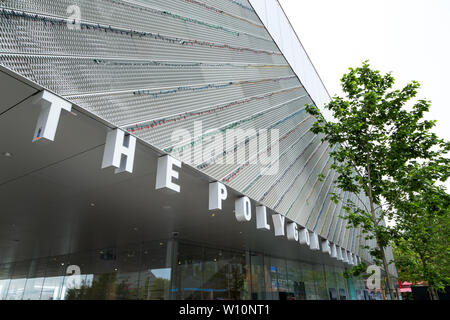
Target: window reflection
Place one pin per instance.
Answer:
(296, 281)
(319, 278)
(162, 270)
(310, 286)
(35, 280)
(260, 283)
(211, 274)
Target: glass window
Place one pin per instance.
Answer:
(330, 277)
(310, 286)
(258, 278)
(280, 287)
(341, 283)
(351, 289)
(296, 281)
(360, 288)
(342, 294)
(163, 270)
(101, 279)
(217, 277)
(55, 271)
(156, 270)
(79, 288)
(16, 287)
(127, 270)
(211, 274)
(188, 279)
(5, 279)
(239, 275)
(35, 281)
(319, 278)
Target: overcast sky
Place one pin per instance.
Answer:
(411, 38)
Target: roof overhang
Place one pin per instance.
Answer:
(55, 198)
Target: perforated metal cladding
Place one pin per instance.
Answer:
(39, 37)
(211, 120)
(154, 66)
(109, 75)
(246, 171)
(289, 138)
(127, 108)
(128, 15)
(330, 216)
(290, 156)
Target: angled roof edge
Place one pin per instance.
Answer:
(279, 27)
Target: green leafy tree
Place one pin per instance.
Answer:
(422, 212)
(377, 136)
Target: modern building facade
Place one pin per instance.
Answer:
(117, 177)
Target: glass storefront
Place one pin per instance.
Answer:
(169, 269)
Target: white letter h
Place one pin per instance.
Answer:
(119, 151)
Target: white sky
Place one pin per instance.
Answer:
(411, 38)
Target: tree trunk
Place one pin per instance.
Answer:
(431, 290)
(430, 295)
(434, 295)
(388, 277)
(374, 220)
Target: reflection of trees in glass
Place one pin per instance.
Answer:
(143, 291)
(101, 289)
(309, 283)
(107, 288)
(321, 286)
(236, 283)
(158, 288)
(77, 294)
(124, 292)
(216, 280)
